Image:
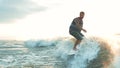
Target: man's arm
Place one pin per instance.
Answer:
(84, 30)
(80, 27)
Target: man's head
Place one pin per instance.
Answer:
(82, 14)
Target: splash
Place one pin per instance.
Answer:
(93, 53)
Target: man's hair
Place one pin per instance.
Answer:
(82, 12)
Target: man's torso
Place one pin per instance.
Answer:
(73, 26)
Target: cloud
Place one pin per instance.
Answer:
(15, 9)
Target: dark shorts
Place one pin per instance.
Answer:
(77, 35)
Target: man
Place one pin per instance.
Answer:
(75, 29)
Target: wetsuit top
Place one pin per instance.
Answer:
(73, 26)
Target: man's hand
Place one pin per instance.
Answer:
(84, 30)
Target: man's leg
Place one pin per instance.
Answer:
(76, 43)
(78, 36)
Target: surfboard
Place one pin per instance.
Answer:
(72, 52)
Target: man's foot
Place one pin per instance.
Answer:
(75, 49)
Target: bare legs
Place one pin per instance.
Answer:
(76, 43)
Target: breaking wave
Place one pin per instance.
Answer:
(93, 52)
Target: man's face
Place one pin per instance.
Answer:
(81, 15)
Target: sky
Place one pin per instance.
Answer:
(38, 19)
